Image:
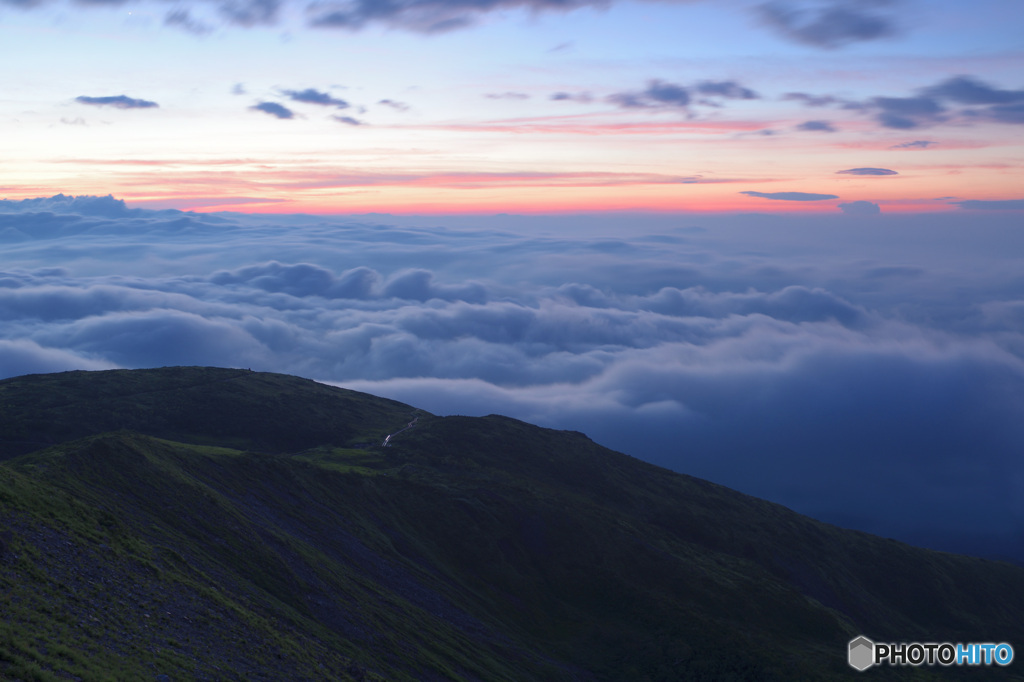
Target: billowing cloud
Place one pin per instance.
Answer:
(991, 205)
(791, 196)
(817, 126)
(867, 171)
(860, 208)
(311, 96)
(830, 25)
(789, 358)
(274, 109)
(117, 101)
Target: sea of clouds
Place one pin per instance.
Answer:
(865, 370)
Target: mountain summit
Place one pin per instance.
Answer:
(202, 523)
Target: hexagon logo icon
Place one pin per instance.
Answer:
(862, 653)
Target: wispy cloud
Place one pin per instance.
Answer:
(394, 104)
(117, 102)
(867, 171)
(348, 120)
(507, 95)
(991, 205)
(424, 16)
(916, 144)
(817, 126)
(582, 97)
(791, 196)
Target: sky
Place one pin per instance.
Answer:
(778, 245)
(536, 106)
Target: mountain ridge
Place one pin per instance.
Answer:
(470, 548)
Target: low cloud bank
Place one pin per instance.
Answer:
(784, 357)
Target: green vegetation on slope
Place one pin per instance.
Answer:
(472, 549)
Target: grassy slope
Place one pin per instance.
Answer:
(472, 549)
(206, 405)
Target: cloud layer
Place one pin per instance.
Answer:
(791, 358)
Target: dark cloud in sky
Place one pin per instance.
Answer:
(916, 144)
(905, 113)
(867, 171)
(961, 99)
(860, 208)
(117, 101)
(817, 126)
(932, 104)
(274, 109)
(811, 100)
(662, 94)
(791, 196)
(970, 90)
(422, 16)
(1005, 113)
(311, 96)
(792, 358)
(725, 89)
(828, 25)
(249, 13)
(182, 19)
(999, 205)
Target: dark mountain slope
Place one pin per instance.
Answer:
(484, 549)
(204, 405)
